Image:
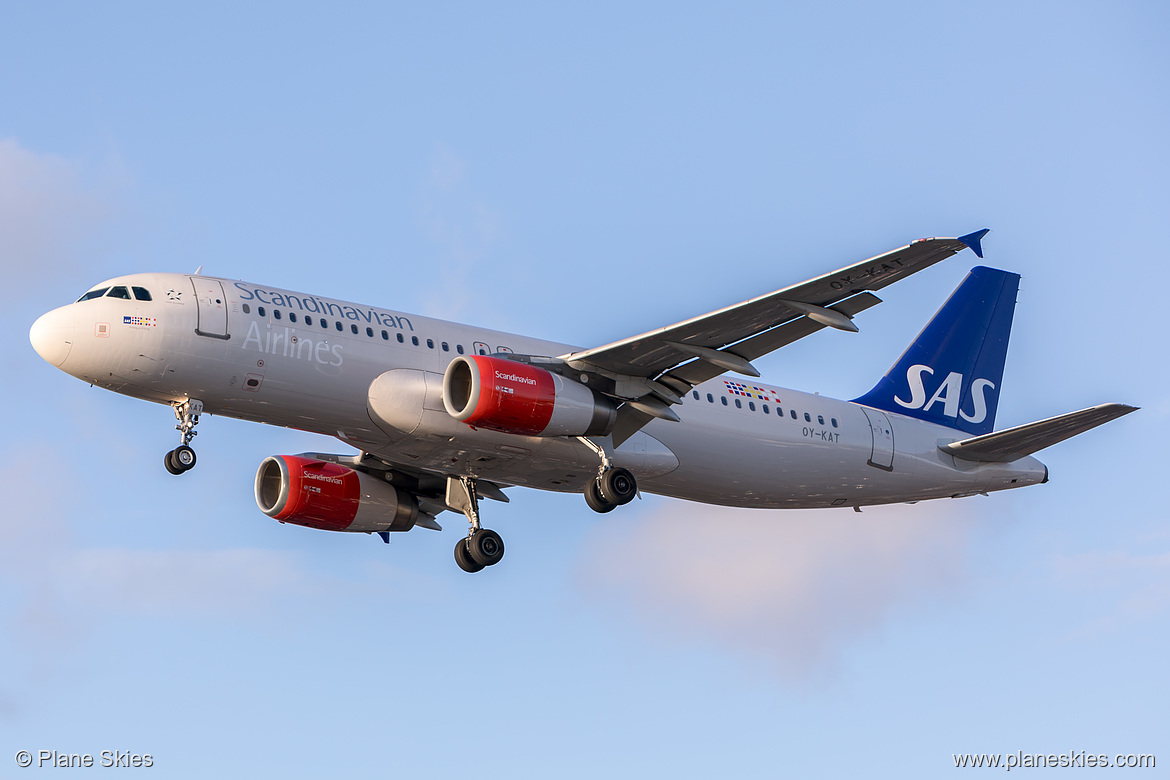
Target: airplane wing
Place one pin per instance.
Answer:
(652, 371)
(1018, 442)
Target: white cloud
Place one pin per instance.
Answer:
(46, 209)
(798, 587)
(56, 588)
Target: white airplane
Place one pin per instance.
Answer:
(445, 414)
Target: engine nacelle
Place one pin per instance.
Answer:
(332, 497)
(512, 397)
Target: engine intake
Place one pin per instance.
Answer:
(332, 497)
(504, 395)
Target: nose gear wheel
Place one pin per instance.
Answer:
(182, 458)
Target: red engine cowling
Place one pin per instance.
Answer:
(332, 497)
(512, 397)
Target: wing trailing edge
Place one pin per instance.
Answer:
(1014, 443)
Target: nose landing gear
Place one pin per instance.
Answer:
(182, 458)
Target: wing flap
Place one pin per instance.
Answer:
(1014, 443)
(761, 344)
(651, 353)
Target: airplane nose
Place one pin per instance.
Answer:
(52, 335)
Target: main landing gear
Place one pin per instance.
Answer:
(482, 547)
(613, 486)
(182, 458)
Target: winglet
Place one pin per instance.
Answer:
(972, 240)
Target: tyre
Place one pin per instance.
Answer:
(486, 547)
(618, 486)
(169, 463)
(595, 501)
(183, 457)
(464, 559)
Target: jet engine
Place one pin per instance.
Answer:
(512, 397)
(330, 496)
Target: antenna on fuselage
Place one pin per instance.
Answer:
(198, 270)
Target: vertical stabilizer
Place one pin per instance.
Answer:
(952, 373)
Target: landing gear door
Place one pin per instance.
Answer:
(882, 456)
(212, 303)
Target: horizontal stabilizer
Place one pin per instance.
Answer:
(1018, 442)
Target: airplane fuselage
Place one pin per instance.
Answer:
(274, 356)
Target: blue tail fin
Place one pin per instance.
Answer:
(952, 373)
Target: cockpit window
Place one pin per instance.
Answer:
(141, 293)
(89, 296)
(119, 292)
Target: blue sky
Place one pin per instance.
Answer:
(584, 175)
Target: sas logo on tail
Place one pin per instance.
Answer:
(949, 393)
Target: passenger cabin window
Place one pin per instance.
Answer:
(292, 316)
(765, 408)
(807, 418)
(247, 309)
(430, 344)
(324, 323)
(141, 293)
(370, 332)
(695, 393)
(723, 399)
(338, 324)
(89, 296)
(834, 421)
(820, 419)
(119, 292)
(459, 348)
(793, 413)
(752, 405)
(308, 320)
(738, 405)
(260, 310)
(710, 398)
(414, 340)
(276, 314)
(353, 328)
(401, 340)
(445, 347)
(385, 336)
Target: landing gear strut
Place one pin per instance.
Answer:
(613, 486)
(182, 458)
(482, 547)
